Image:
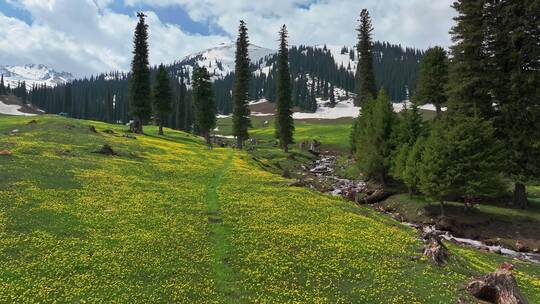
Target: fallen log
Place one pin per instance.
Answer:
(499, 287)
(375, 197)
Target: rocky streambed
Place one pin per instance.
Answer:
(321, 175)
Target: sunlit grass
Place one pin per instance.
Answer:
(169, 220)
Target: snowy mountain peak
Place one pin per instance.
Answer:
(37, 74)
(220, 60)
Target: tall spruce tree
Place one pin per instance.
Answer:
(2, 86)
(374, 144)
(433, 79)
(242, 74)
(139, 86)
(162, 96)
(181, 104)
(366, 87)
(514, 49)
(462, 157)
(409, 128)
(469, 90)
(203, 99)
(411, 168)
(284, 120)
(332, 96)
(109, 106)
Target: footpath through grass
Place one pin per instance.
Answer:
(169, 220)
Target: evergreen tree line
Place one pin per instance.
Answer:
(395, 70)
(19, 91)
(489, 136)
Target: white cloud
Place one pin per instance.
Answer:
(85, 36)
(419, 23)
(79, 37)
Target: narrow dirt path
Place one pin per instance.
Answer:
(224, 276)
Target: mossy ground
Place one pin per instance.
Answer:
(169, 220)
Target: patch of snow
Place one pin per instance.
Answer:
(12, 110)
(342, 109)
(398, 107)
(255, 102)
(223, 116)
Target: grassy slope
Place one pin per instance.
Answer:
(169, 220)
(334, 134)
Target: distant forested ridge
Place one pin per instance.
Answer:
(91, 98)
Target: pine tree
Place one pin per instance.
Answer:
(68, 100)
(433, 78)
(374, 142)
(461, 158)
(242, 74)
(109, 107)
(2, 86)
(312, 98)
(181, 104)
(365, 77)
(332, 96)
(203, 99)
(410, 175)
(469, 90)
(139, 89)
(284, 120)
(435, 181)
(409, 128)
(514, 32)
(162, 96)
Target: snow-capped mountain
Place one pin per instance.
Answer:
(220, 60)
(33, 74)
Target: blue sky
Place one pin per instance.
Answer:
(91, 36)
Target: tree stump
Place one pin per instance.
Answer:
(434, 249)
(499, 287)
(107, 150)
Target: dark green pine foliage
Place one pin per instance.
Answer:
(469, 90)
(374, 143)
(180, 110)
(2, 86)
(284, 120)
(514, 48)
(408, 129)
(204, 104)
(312, 98)
(435, 182)
(109, 107)
(410, 176)
(162, 97)
(68, 100)
(242, 74)
(332, 96)
(365, 77)
(140, 91)
(461, 158)
(433, 79)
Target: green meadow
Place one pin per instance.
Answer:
(170, 220)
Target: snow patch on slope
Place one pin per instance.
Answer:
(12, 110)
